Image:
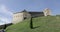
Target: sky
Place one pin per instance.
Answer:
(8, 7)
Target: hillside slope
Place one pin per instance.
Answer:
(41, 24)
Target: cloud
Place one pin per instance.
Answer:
(5, 10)
(2, 23)
(5, 15)
(4, 20)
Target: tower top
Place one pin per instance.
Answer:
(46, 9)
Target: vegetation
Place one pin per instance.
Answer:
(40, 24)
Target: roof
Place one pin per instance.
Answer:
(28, 11)
(34, 13)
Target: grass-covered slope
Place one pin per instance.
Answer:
(41, 24)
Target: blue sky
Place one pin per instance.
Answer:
(8, 7)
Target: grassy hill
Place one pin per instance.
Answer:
(41, 24)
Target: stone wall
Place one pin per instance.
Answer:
(20, 16)
(17, 18)
(47, 12)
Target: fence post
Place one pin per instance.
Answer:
(31, 23)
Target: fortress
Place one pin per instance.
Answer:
(20, 16)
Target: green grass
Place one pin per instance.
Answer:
(41, 24)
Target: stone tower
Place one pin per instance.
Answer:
(47, 12)
(20, 16)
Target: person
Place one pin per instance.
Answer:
(4, 26)
(2, 30)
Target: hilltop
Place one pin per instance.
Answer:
(41, 24)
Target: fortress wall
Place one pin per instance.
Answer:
(17, 18)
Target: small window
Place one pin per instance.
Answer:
(24, 18)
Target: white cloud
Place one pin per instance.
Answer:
(2, 23)
(4, 14)
(5, 20)
(5, 10)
